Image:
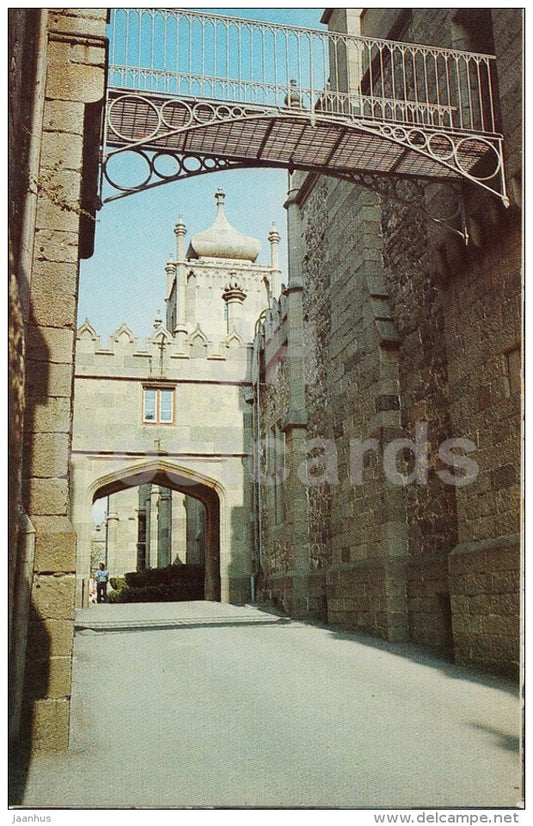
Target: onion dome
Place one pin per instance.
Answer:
(222, 240)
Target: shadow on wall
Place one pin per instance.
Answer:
(36, 688)
(506, 741)
(240, 569)
(244, 569)
(30, 645)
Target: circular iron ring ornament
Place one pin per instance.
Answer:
(139, 153)
(143, 135)
(410, 194)
(224, 113)
(176, 106)
(438, 152)
(445, 218)
(187, 164)
(206, 113)
(191, 164)
(476, 142)
(399, 134)
(417, 139)
(212, 164)
(161, 156)
(203, 112)
(426, 144)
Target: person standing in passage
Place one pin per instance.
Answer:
(102, 578)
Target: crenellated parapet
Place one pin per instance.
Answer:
(161, 354)
(276, 316)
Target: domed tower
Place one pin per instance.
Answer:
(198, 280)
(222, 241)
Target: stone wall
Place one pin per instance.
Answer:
(58, 62)
(413, 336)
(483, 341)
(417, 307)
(276, 549)
(358, 402)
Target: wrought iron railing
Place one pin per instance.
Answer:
(191, 54)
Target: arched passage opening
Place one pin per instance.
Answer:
(157, 481)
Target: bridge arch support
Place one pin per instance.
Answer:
(330, 102)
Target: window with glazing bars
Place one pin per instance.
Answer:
(158, 405)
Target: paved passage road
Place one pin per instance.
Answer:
(205, 705)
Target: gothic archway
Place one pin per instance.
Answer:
(183, 480)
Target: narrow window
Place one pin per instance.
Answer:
(149, 405)
(281, 472)
(165, 405)
(513, 372)
(276, 471)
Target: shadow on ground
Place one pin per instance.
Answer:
(423, 655)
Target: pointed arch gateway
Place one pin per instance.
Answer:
(183, 480)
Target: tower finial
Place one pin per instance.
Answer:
(180, 228)
(219, 197)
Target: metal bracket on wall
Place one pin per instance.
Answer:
(415, 195)
(166, 167)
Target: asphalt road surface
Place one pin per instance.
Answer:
(205, 705)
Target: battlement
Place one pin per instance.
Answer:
(275, 316)
(190, 354)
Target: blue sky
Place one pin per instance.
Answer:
(125, 278)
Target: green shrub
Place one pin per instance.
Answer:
(172, 574)
(118, 583)
(175, 583)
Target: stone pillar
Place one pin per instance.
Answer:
(179, 527)
(344, 59)
(143, 526)
(295, 425)
(295, 340)
(98, 543)
(212, 556)
(164, 528)
(153, 555)
(195, 531)
(234, 297)
(112, 541)
(60, 231)
(275, 278)
(170, 269)
(180, 330)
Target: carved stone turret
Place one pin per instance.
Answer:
(170, 269)
(274, 238)
(234, 297)
(180, 329)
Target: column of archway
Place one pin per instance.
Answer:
(212, 549)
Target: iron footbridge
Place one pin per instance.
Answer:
(192, 93)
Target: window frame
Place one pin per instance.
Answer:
(158, 390)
